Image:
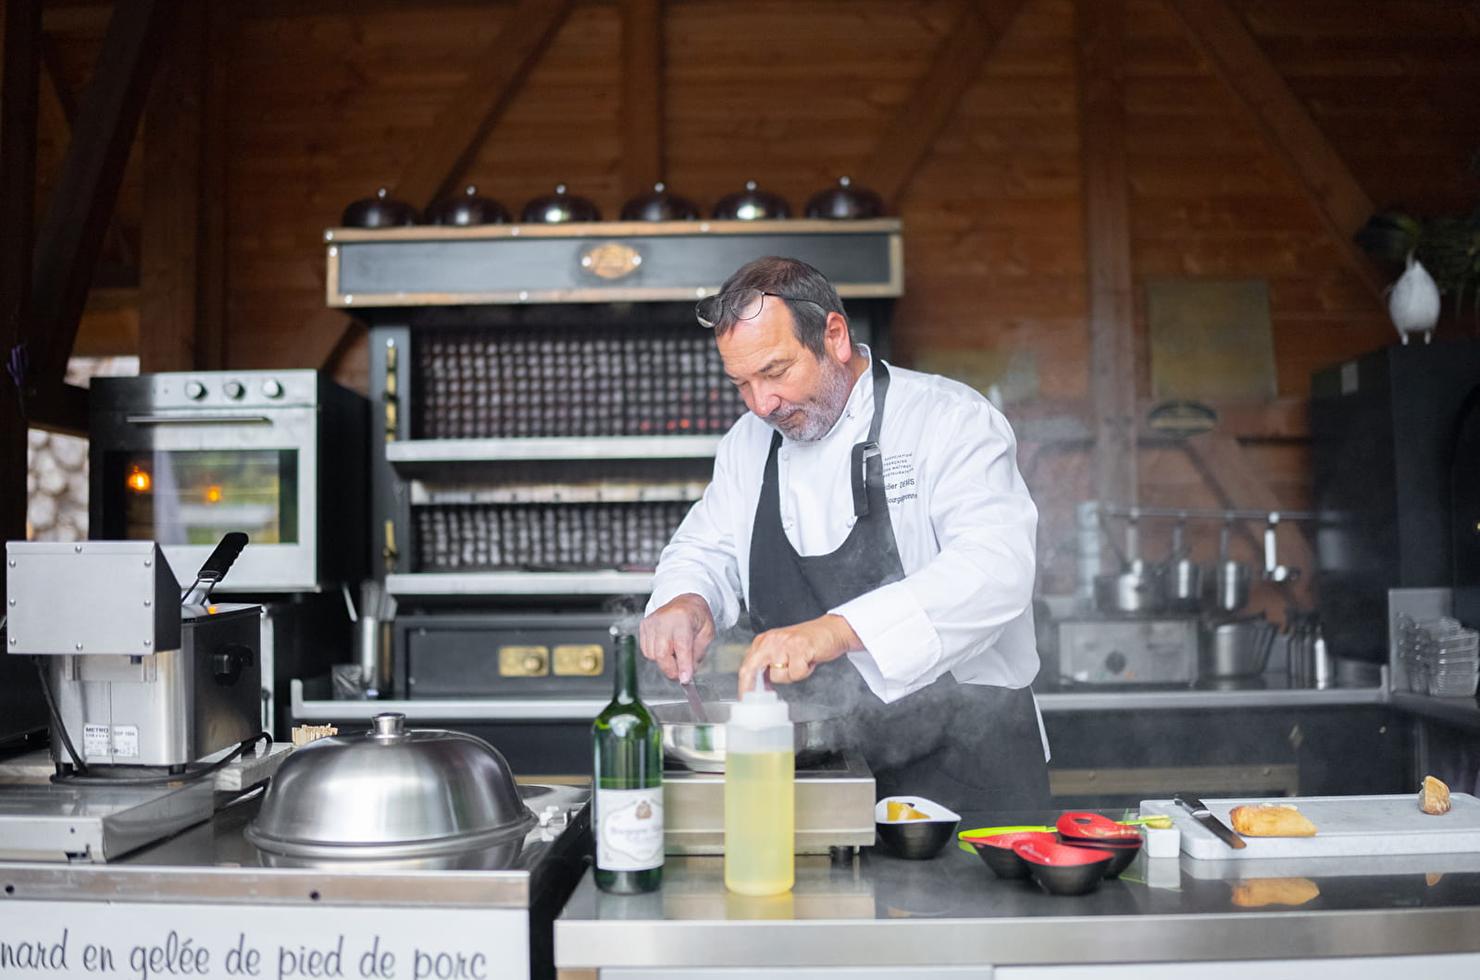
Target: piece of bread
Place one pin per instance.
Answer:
(1254, 893)
(1434, 797)
(1271, 820)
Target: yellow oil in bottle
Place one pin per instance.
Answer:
(760, 828)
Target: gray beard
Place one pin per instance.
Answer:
(820, 412)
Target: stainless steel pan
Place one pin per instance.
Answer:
(701, 747)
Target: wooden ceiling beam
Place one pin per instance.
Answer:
(19, 94)
(58, 113)
(71, 233)
(1099, 43)
(169, 294)
(957, 62)
(1235, 55)
(642, 94)
(490, 87)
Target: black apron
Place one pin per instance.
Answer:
(967, 746)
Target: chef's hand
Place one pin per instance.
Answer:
(791, 653)
(676, 635)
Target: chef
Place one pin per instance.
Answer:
(873, 523)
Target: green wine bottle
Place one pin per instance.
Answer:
(627, 819)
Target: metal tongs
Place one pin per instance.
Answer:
(215, 569)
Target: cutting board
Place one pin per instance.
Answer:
(1347, 826)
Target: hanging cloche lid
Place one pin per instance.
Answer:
(467, 208)
(752, 204)
(378, 211)
(843, 201)
(559, 208)
(660, 205)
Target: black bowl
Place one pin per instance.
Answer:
(1121, 855)
(917, 840)
(1063, 870)
(996, 852)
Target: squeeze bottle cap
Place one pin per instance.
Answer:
(759, 707)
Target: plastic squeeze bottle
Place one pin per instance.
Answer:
(760, 787)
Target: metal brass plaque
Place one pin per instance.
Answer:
(523, 661)
(579, 660)
(611, 260)
(1211, 339)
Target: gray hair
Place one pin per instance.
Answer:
(794, 280)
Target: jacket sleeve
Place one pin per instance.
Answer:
(916, 629)
(701, 558)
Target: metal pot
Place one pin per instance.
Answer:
(1236, 649)
(560, 208)
(391, 794)
(660, 205)
(1230, 585)
(845, 202)
(1139, 588)
(751, 204)
(701, 746)
(467, 208)
(380, 211)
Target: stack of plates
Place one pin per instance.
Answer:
(1441, 656)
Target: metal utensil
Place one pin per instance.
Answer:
(1202, 815)
(215, 568)
(696, 704)
(1231, 581)
(1184, 576)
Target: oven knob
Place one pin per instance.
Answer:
(272, 388)
(234, 389)
(194, 390)
(1116, 662)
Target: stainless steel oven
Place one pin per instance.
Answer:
(181, 458)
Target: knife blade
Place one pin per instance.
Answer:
(1202, 815)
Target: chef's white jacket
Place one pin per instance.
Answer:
(963, 522)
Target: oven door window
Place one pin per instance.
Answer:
(194, 497)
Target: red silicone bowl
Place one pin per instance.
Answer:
(996, 851)
(1121, 855)
(1096, 828)
(1063, 870)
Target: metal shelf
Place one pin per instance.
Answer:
(433, 584)
(420, 451)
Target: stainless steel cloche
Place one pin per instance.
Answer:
(390, 793)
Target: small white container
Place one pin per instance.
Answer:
(1162, 843)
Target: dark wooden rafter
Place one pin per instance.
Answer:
(70, 237)
(18, 110)
(58, 115)
(170, 234)
(1100, 31)
(957, 62)
(642, 94)
(1235, 55)
(211, 349)
(491, 85)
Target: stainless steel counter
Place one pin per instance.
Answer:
(212, 862)
(583, 709)
(952, 912)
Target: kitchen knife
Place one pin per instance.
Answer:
(1201, 814)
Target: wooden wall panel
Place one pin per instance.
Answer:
(332, 98)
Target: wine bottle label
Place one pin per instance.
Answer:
(629, 832)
